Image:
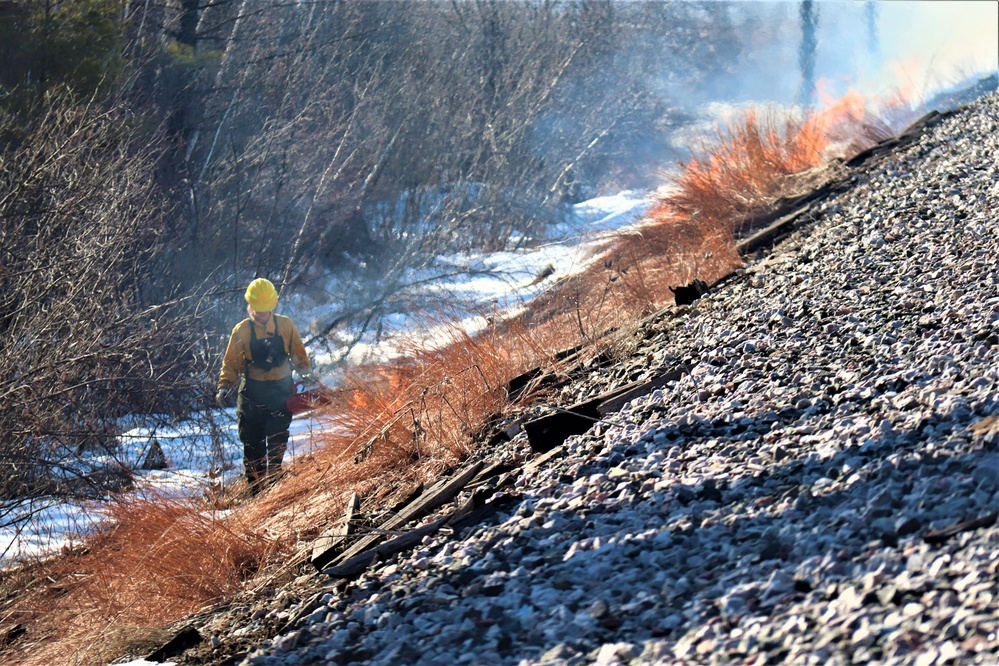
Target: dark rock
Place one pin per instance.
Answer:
(907, 525)
(154, 458)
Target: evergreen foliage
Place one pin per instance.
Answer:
(77, 44)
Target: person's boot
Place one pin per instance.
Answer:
(255, 479)
(273, 473)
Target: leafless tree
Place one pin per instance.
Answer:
(807, 51)
(88, 341)
(367, 137)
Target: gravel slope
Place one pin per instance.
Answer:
(786, 502)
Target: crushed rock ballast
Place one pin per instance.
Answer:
(814, 477)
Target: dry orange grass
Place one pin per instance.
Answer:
(689, 233)
(399, 424)
(161, 559)
(633, 275)
(156, 560)
(746, 171)
(415, 417)
(755, 160)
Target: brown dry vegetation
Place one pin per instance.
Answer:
(756, 160)
(407, 422)
(411, 419)
(159, 559)
(690, 231)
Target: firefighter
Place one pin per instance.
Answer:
(262, 350)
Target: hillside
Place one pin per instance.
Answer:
(819, 484)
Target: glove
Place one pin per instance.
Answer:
(222, 398)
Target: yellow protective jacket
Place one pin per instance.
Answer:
(237, 355)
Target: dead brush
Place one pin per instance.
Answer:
(153, 561)
(689, 234)
(406, 422)
(632, 275)
(745, 171)
(429, 405)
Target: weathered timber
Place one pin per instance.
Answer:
(783, 226)
(357, 563)
(935, 537)
(330, 543)
(482, 495)
(617, 399)
(441, 492)
(536, 377)
(547, 432)
(490, 471)
(400, 504)
(906, 136)
(498, 429)
(184, 639)
(544, 458)
(476, 515)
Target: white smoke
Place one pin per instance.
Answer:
(876, 48)
(926, 45)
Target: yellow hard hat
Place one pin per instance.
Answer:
(261, 295)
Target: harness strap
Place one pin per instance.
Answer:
(283, 356)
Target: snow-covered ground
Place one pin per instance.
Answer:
(502, 281)
(471, 285)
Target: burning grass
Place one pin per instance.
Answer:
(746, 171)
(406, 422)
(755, 160)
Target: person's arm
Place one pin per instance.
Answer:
(233, 361)
(299, 357)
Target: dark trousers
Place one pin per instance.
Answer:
(263, 418)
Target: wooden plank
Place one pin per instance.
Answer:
(480, 497)
(936, 537)
(903, 138)
(357, 563)
(438, 494)
(548, 432)
(516, 385)
(544, 458)
(628, 393)
(476, 508)
(400, 504)
(328, 545)
(493, 469)
(770, 235)
(475, 515)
